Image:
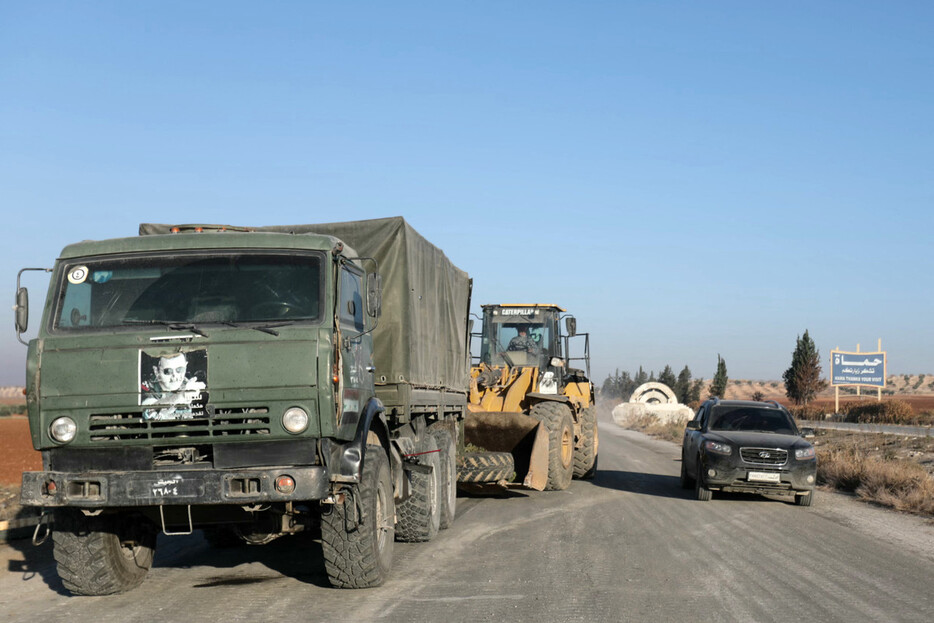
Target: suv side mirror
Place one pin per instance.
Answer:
(22, 310)
(807, 432)
(570, 323)
(374, 294)
(693, 425)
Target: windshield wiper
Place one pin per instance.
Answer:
(170, 324)
(265, 328)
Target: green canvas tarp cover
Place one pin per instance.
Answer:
(421, 337)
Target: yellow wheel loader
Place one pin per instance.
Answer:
(527, 399)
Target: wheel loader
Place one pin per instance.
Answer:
(527, 398)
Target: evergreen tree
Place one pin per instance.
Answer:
(626, 386)
(640, 378)
(802, 379)
(667, 376)
(696, 390)
(682, 386)
(718, 384)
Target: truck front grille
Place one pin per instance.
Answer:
(240, 422)
(764, 456)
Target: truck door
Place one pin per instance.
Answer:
(357, 348)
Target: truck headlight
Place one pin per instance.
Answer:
(804, 453)
(63, 429)
(718, 448)
(295, 420)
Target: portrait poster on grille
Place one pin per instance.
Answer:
(173, 384)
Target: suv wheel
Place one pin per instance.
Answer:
(701, 492)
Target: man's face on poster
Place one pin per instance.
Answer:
(171, 372)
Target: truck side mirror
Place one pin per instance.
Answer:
(374, 294)
(570, 323)
(22, 310)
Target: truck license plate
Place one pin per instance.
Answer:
(773, 477)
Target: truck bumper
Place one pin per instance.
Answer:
(188, 487)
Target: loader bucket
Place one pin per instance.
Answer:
(522, 436)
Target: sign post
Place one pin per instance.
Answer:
(857, 368)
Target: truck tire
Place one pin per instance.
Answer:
(585, 456)
(102, 555)
(419, 515)
(357, 536)
(805, 500)
(448, 494)
(556, 418)
(485, 467)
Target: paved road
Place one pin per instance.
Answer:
(628, 546)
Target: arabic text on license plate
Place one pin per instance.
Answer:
(764, 477)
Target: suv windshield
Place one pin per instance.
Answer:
(751, 419)
(221, 288)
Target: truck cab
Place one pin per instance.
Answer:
(225, 378)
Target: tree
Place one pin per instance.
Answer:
(802, 378)
(640, 378)
(696, 390)
(718, 384)
(667, 376)
(682, 386)
(758, 396)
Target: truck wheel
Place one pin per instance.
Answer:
(585, 456)
(486, 467)
(357, 536)
(804, 500)
(448, 456)
(102, 555)
(556, 418)
(701, 492)
(419, 515)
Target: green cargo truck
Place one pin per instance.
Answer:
(249, 382)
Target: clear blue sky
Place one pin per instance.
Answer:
(689, 178)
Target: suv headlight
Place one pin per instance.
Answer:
(718, 448)
(63, 429)
(295, 420)
(805, 453)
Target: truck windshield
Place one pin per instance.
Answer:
(220, 288)
(518, 339)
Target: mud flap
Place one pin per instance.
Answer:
(522, 436)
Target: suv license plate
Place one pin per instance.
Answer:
(764, 477)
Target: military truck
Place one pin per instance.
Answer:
(250, 382)
(529, 398)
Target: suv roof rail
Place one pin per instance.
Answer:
(774, 402)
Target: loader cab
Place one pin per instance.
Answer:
(519, 336)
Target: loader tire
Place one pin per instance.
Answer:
(585, 456)
(418, 517)
(448, 491)
(556, 418)
(102, 555)
(486, 467)
(357, 536)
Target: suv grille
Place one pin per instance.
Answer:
(246, 421)
(764, 456)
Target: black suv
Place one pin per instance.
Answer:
(742, 445)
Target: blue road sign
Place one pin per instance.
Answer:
(857, 368)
